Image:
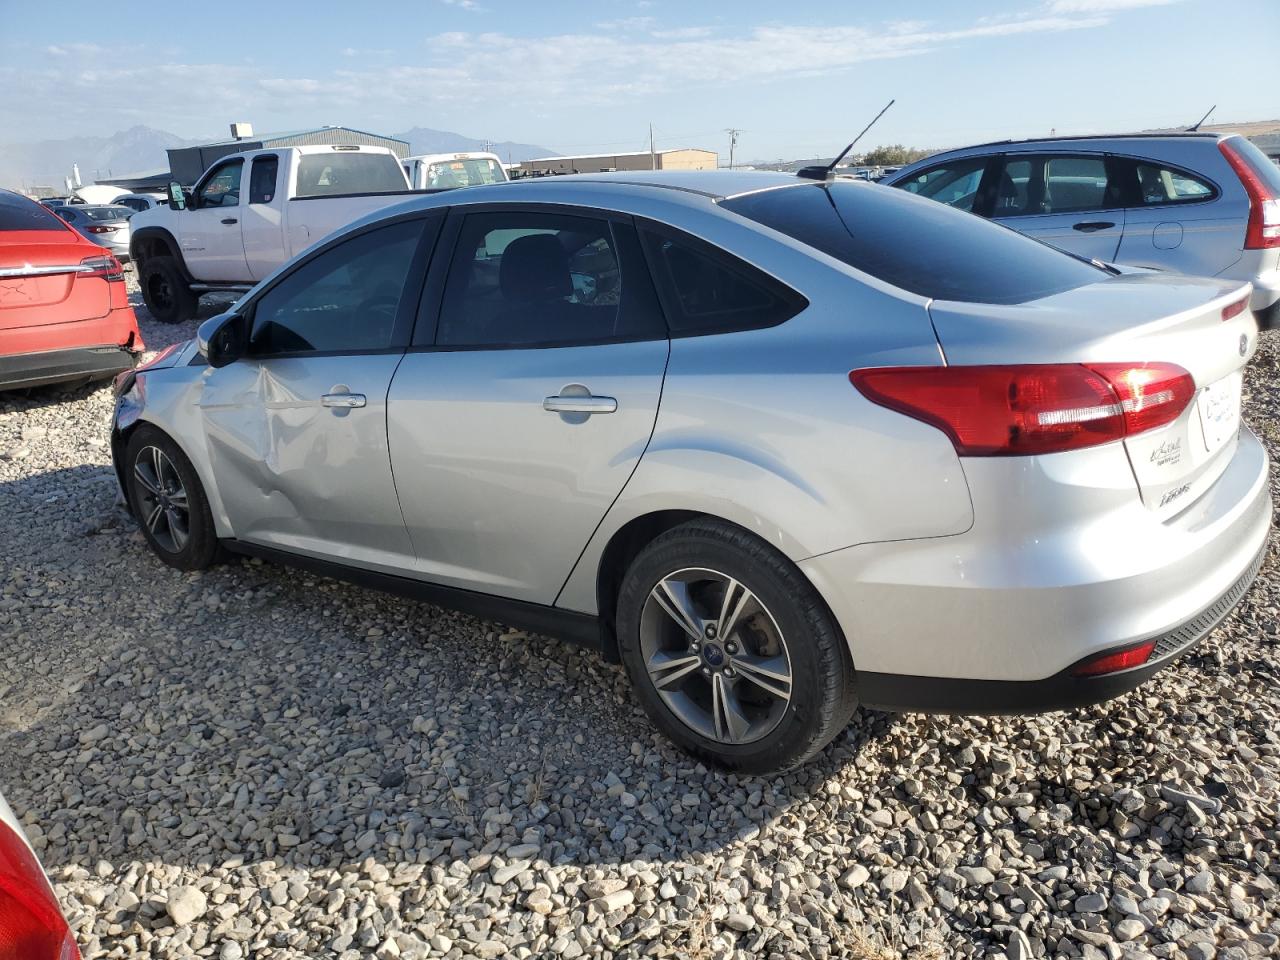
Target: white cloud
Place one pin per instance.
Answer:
(1103, 6)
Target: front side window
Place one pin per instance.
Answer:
(262, 179)
(523, 279)
(343, 300)
(1161, 185)
(222, 188)
(955, 183)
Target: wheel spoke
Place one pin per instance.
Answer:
(148, 483)
(735, 599)
(770, 674)
(178, 498)
(673, 597)
(157, 466)
(731, 723)
(667, 669)
(153, 518)
(177, 528)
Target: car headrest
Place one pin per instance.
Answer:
(535, 268)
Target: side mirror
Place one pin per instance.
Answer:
(177, 198)
(223, 339)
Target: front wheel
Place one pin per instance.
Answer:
(165, 290)
(168, 500)
(731, 651)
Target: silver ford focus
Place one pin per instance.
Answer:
(781, 445)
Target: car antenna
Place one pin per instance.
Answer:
(828, 172)
(1196, 126)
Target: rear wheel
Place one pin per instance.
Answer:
(169, 501)
(731, 651)
(165, 291)
(1269, 319)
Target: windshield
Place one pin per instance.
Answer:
(464, 173)
(326, 174)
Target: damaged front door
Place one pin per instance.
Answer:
(297, 430)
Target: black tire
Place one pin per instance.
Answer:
(1269, 319)
(823, 694)
(165, 290)
(196, 547)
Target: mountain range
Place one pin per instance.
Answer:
(141, 149)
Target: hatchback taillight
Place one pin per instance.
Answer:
(103, 229)
(1002, 411)
(1263, 230)
(107, 267)
(31, 925)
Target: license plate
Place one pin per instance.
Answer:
(1220, 411)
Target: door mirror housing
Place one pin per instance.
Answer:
(177, 196)
(223, 339)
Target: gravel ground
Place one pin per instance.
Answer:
(256, 762)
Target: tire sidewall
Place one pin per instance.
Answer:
(202, 545)
(777, 589)
(183, 300)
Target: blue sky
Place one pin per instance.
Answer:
(798, 79)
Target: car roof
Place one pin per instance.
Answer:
(713, 184)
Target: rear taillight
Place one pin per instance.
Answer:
(31, 925)
(1114, 662)
(1263, 231)
(103, 229)
(1037, 408)
(107, 267)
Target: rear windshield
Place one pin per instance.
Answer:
(915, 244)
(110, 213)
(1267, 171)
(324, 174)
(19, 213)
(463, 173)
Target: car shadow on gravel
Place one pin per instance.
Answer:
(260, 712)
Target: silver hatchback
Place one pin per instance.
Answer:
(781, 446)
(1203, 204)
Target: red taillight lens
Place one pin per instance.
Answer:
(1263, 231)
(107, 267)
(1003, 411)
(1234, 309)
(31, 925)
(103, 229)
(1115, 662)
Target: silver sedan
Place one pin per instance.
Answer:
(781, 445)
(106, 225)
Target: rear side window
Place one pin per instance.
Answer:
(325, 174)
(1160, 185)
(707, 291)
(19, 213)
(919, 246)
(262, 178)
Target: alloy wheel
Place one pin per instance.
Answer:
(715, 655)
(162, 499)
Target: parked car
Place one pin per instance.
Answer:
(251, 212)
(107, 226)
(447, 171)
(31, 923)
(1205, 204)
(64, 313)
(138, 202)
(736, 458)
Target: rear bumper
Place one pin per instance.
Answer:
(57, 366)
(994, 619)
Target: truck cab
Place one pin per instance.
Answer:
(444, 171)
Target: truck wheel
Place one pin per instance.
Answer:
(165, 291)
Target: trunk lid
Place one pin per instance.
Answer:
(39, 282)
(1134, 318)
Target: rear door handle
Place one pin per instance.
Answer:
(1092, 226)
(230, 220)
(344, 401)
(587, 404)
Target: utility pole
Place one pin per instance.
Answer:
(653, 154)
(733, 142)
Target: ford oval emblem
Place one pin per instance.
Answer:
(1244, 344)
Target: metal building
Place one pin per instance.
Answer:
(187, 163)
(680, 159)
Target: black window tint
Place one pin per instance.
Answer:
(343, 300)
(916, 245)
(541, 279)
(222, 189)
(19, 213)
(1159, 185)
(262, 179)
(67, 214)
(708, 291)
(325, 174)
(954, 183)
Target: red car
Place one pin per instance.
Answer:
(31, 923)
(64, 314)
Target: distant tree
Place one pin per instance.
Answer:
(893, 155)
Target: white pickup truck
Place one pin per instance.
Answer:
(444, 171)
(251, 212)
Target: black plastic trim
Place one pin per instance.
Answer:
(24, 370)
(582, 629)
(911, 694)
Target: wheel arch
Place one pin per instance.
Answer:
(152, 242)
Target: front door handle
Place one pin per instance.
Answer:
(580, 404)
(344, 401)
(1092, 226)
(230, 220)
